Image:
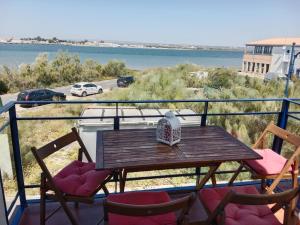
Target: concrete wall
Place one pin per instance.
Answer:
(5, 159)
(256, 63)
(281, 60)
(257, 58)
(279, 64)
(3, 220)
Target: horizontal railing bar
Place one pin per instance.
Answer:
(243, 114)
(151, 101)
(32, 186)
(294, 102)
(168, 189)
(145, 116)
(179, 175)
(157, 177)
(161, 176)
(4, 126)
(294, 112)
(13, 202)
(294, 117)
(6, 107)
(64, 118)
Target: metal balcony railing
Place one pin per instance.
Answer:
(17, 204)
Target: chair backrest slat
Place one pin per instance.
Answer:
(264, 199)
(183, 205)
(284, 134)
(147, 210)
(56, 145)
(281, 200)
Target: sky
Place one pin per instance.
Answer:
(202, 22)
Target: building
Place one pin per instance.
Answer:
(270, 55)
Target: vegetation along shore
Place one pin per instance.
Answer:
(64, 69)
(160, 83)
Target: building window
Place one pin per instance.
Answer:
(249, 49)
(249, 66)
(267, 67)
(245, 64)
(258, 50)
(298, 73)
(257, 67)
(268, 50)
(253, 66)
(262, 67)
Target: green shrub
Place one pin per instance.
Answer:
(114, 69)
(3, 87)
(91, 70)
(220, 78)
(66, 68)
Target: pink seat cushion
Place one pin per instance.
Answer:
(271, 164)
(236, 214)
(141, 198)
(79, 178)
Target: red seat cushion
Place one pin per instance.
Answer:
(79, 178)
(271, 164)
(141, 198)
(236, 214)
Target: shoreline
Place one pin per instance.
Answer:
(130, 46)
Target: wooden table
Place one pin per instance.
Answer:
(137, 150)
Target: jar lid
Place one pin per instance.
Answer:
(169, 114)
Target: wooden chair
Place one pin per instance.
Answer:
(77, 182)
(244, 205)
(143, 208)
(272, 166)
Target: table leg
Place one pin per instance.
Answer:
(198, 172)
(210, 173)
(115, 176)
(236, 173)
(123, 175)
(214, 180)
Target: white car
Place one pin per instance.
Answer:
(83, 89)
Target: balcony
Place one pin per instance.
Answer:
(19, 188)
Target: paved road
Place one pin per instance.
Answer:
(106, 85)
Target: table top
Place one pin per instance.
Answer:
(138, 150)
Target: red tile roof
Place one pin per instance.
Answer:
(277, 41)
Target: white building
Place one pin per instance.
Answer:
(270, 55)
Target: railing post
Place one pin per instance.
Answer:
(204, 116)
(117, 119)
(17, 155)
(203, 124)
(282, 123)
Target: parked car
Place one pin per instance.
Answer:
(124, 81)
(83, 89)
(39, 95)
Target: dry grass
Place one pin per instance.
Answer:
(247, 128)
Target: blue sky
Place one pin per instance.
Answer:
(204, 22)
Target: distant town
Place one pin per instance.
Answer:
(113, 44)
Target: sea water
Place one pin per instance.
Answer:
(137, 58)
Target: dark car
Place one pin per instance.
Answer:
(39, 95)
(124, 81)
